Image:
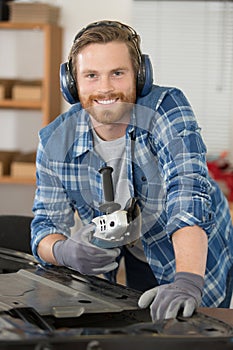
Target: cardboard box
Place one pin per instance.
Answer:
(34, 12)
(27, 90)
(21, 169)
(24, 165)
(2, 92)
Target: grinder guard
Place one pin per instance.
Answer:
(122, 227)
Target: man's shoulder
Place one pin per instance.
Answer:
(62, 123)
(162, 94)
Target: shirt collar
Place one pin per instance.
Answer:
(83, 135)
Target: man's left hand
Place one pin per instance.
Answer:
(181, 297)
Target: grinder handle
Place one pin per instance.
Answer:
(109, 206)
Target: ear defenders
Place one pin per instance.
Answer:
(144, 77)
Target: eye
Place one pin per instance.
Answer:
(91, 75)
(118, 73)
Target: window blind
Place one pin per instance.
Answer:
(190, 44)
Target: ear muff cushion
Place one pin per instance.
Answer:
(67, 84)
(145, 76)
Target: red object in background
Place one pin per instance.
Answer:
(221, 171)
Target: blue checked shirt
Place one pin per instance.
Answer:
(166, 171)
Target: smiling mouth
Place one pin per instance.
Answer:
(106, 102)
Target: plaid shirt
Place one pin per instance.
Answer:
(166, 170)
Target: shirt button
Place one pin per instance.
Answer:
(143, 178)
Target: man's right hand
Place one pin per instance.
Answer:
(77, 253)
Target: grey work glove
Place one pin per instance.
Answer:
(182, 296)
(79, 254)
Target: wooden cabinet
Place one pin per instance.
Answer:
(50, 103)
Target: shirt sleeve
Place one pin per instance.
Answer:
(52, 209)
(182, 160)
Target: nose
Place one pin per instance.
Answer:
(105, 85)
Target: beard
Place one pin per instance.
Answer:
(111, 113)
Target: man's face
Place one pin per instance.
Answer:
(106, 81)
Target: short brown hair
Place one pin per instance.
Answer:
(105, 32)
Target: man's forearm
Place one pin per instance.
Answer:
(45, 247)
(190, 246)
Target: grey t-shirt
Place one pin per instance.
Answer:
(113, 153)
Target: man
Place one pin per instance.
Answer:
(150, 137)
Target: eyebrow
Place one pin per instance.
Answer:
(112, 70)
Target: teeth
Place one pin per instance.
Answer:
(105, 102)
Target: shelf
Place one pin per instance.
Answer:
(22, 26)
(20, 104)
(50, 104)
(17, 180)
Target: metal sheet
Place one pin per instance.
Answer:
(63, 293)
(57, 308)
